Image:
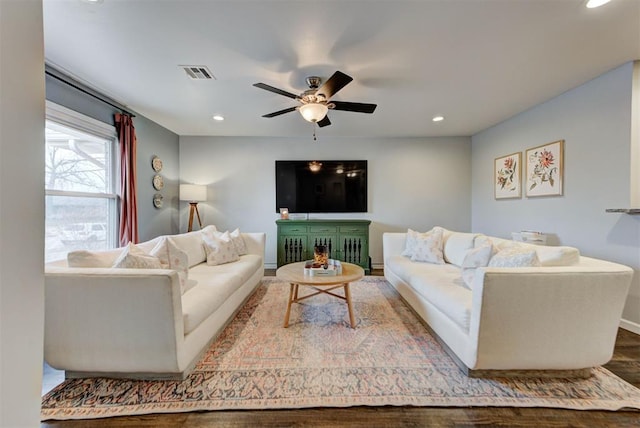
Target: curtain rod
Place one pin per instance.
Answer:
(83, 90)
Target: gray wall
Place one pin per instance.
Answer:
(153, 139)
(595, 122)
(413, 182)
(22, 213)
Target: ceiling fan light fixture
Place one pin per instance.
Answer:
(314, 166)
(313, 112)
(596, 3)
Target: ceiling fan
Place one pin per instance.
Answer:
(315, 101)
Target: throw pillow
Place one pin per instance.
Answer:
(134, 258)
(412, 240)
(238, 241)
(473, 259)
(427, 247)
(515, 257)
(172, 257)
(209, 229)
(219, 249)
(411, 243)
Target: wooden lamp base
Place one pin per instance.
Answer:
(194, 207)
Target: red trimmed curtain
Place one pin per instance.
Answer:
(128, 231)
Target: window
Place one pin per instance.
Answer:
(80, 175)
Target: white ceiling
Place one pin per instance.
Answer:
(477, 62)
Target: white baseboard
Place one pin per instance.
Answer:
(630, 326)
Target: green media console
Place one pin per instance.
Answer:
(346, 240)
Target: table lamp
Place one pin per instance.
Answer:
(193, 193)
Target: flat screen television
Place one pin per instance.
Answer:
(323, 186)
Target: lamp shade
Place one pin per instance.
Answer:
(193, 192)
(313, 112)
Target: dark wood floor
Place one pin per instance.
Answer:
(625, 363)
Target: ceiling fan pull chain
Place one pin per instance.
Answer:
(314, 132)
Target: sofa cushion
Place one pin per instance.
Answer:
(476, 257)
(402, 267)
(191, 243)
(214, 286)
(93, 259)
(515, 257)
(557, 256)
(547, 255)
(211, 291)
(456, 245)
(442, 286)
(244, 267)
(147, 246)
(134, 258)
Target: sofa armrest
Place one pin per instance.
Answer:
(96, 317)
(393, 244)
(255, 242)
(552, 314)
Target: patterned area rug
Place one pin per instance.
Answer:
(319, 361)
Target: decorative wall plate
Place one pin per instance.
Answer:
(156, 164)
(158, 182)
(157, 200)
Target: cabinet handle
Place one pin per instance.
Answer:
(353, 230)
(295, 230)
(324, 230)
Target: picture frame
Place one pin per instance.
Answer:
(545, 170)
(507, 173)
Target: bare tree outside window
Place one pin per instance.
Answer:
(80, 200)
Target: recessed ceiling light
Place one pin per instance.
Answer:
(438, 118)
(596, 3)
(218, 117)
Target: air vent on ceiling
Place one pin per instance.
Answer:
(198, 72)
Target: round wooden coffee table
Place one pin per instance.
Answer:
(294, 274)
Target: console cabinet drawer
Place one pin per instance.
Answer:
(294, 229)
(354, 229)
(322, 229)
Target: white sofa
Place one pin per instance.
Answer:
(560, 318)
(114, 322)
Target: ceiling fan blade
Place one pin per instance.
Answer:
(336, 82)
(357, 107)
(324, 122)
(276, 90)
(279, 112)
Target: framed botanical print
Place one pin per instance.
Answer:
(506, 176)
(545, 170)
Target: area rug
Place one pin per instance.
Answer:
(319, 361)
